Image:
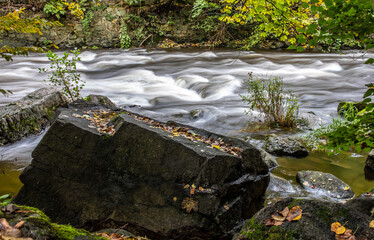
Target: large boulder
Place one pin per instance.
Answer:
(158, 183)
(285, 147)
(320, 183)
(315, 222)
(29, 115)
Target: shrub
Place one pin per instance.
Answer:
(63, 73)
(268, 96)
(354, 131)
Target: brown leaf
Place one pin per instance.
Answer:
(294, 214)
(4, 225)
(269, 222)
(272, 222)
(285, 212)
(19, 225)
(190, 204)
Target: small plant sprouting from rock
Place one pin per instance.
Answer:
(268, 96)
(63, 73)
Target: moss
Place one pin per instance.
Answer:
(38, 219)
(258, 231)
(67, 232)
(295, 202)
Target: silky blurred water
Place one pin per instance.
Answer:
(169, 85)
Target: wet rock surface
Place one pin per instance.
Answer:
(364, 203)
(315, 222)
(308, 121)
(270, 160)
(159, 184)
(280, 185)
(285, 147)
(369, 163)
(29, 115)
(326, 184)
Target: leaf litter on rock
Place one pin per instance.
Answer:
(185, 132)
(342, 233)
(278, 218)
(99, 119)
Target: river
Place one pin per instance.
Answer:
(170, 84)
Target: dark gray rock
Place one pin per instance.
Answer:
(197, 113)
(315, 222)
(326, 184)
(29, 115)
(285, 147)
(369, 163)
(363, 203)
(102, 101)
(269, 160)
(138, 177)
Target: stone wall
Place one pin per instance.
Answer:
(103, 32)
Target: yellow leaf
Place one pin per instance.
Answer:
(371, 224)
(340, 230)
(346, 188)
(335, 226)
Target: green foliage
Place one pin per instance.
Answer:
(354, 131)
(124, 37)
(64, 73)
(55, 8)
(5, 199)
(269, 97)
(86, 23)
(132, 2)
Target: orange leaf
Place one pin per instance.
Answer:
(294, 214)
(340, 230)
(335, 226)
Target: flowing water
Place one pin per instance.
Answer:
(173, 85)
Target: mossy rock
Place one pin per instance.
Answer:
(315, 222)
(38, 226)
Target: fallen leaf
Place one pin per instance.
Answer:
(272, 222)
(226, 206)
(371, 224)
(174, 199)
(285, 212)
(335, 226)
(190, 204)
(201, 189)
(294, 214)
(346, 188)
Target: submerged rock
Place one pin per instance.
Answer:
(315, 222)
(285, 147)
(159, 183)
(29, 115)
(324, 184)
